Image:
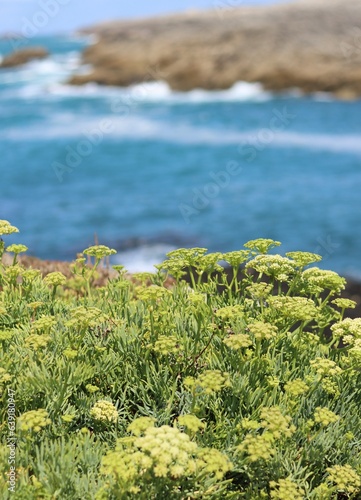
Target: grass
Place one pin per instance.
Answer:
(139, 390)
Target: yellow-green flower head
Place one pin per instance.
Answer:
(140, 424)
(346, 479)
(34, 420)
(238, 341)
(330, 386)
(152, 293)
(7, 228)
(286, 489)
(36, 341)
(259, 291)
(6, 335)
(166, 345)
(276, 423)
(236, 258)
(208, 263)
(347, 327)
(324, 416)
(13, 272)
(212, 381)
(315, 280)
(355, 353)
(17, 249)
(344, 303)
(4, 376)
(92, 388)
(296, 387)
(189, 256)
(258, 447)
(262, 331)
(304, 259)
(213, 463)
(104, 411)
(294, 308)
(43, 324)
(262, 245)
(167, 447)
(99, 251)
(230, 313)
(325, 367)
(70, 353)
(191, 422)
(31, 274)
(275, 266)
(55, 279)
(85, 317)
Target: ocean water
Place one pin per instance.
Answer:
(145, 169)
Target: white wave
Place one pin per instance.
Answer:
(132, 127)
(144, 258)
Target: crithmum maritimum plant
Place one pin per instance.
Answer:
(229, 389)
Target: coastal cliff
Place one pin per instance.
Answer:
(310, 45)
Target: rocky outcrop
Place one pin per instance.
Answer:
(23, 56)
(313, 45)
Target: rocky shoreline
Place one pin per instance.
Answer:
(314, 46)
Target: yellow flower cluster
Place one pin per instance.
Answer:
(45, 323)
(325, 367)
(34, 420)
(275, 266)
(294, 308)
(236, 258)
(286, 489)
(276, 423)
(259, 291)
(348, 329)
(238, 341)
(296, 387)
(99, 251)
(4, 376)
(152, 293)
(262, 331)
(16, 249)
(191, 422)
(355, 354)
(7, 228)
(258, 447)
(167, 345)
(303, 259)
(345, 478)
(104, 411)
(36, 341)
(262, 245)
(315, 281)
(230, 313)
(344, 303)
(161, 452)
(210, 381)
(83, 317)
(55, 279)
(6, 335)
(324, 416)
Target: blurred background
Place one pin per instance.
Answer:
(229, 121)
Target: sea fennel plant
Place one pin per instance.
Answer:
(148, 388)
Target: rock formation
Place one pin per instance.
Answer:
(23, 56)
(312, 45)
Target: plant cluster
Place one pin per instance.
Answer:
(138, 390)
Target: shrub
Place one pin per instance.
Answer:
(141, 390)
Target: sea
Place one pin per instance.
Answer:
(145, 169)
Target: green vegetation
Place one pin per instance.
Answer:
(228, 389)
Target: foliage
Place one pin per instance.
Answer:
(136, 390)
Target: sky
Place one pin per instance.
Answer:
(50, 16)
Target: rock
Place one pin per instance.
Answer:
(23, 56)
(312, 45)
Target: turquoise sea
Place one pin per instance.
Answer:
(145, 169)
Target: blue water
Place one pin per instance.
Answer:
(139, 167)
